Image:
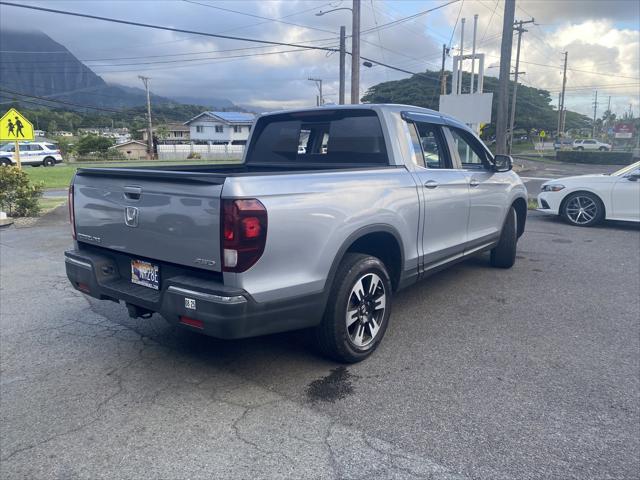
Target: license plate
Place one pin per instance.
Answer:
(145, 274)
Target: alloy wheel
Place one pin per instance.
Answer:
(365, 310)
(581, 209)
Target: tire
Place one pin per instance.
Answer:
(353, 342)
(504, 254)
(603, 149)
(580, 149)
(5, 162)
(49, 162)
(582, 209)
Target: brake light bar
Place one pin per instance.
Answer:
(244, 233)
(72, 212)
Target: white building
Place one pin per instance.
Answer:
(230, 128)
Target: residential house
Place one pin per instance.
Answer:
(133, 149)
(62, 133)
(39, 133)
(231, 128)
(175, 133)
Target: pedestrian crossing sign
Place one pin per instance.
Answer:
(15, 127)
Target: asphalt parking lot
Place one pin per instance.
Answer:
(531, 372)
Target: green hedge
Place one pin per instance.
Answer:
(599, 158)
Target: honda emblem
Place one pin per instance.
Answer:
(131, 216)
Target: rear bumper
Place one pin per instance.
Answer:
(220, 311)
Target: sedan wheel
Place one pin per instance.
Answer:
(583, 209)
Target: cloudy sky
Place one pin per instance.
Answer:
(602, 38)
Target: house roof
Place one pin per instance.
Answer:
(232, 118)
(172, 127)
(128, 143)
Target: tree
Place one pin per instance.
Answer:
(93, 143)
(52, 126)
(533, 110)
(162, 132)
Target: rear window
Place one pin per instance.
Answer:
(324, 136)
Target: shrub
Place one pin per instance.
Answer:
(93, 143)
(18, 196)
(600, 158)
(194, 156)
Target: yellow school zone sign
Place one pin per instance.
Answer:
(15, 127)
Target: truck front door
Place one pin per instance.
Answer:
(488, 190)
(444, 193)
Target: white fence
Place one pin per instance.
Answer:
(208, 152)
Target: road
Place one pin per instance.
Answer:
(534, 172)
(531, 372)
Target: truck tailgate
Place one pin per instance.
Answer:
(156, 215)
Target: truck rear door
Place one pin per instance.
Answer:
(166, 215)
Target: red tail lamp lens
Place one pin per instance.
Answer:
(72, 212)
(244, 233)
(251, 227)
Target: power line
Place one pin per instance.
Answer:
(13, 92)
(410, 17)
(277, 20)
(455, 25)
(160, 27)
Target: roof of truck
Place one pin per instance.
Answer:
(390, 107)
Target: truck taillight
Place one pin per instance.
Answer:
(72, 213)
(244, 233)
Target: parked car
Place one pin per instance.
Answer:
(563, 144)
(321, 237)
(591, 144)
(586, 200)
(31, 153)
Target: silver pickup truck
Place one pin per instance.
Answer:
(332, 211)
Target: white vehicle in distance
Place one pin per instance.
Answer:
(31, 153)
(586, 200)
(591, 144)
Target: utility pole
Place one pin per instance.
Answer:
(559, 114)
(318, 82)
(459, 82)
(564, 84)
(473, 54)
(342, 58)
(595, 112)
(355, 53)
(145, 80)
(512, 120)
(505, 72)
(443, 80)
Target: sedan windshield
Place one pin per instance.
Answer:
(625, 170)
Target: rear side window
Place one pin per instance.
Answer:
(50, 146)
(323, 136)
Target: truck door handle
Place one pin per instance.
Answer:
(474, 182)
(132, 193)
(431, 184)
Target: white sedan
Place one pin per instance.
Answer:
(586, 200)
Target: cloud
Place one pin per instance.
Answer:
(598, 35)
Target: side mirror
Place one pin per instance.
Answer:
(632, 177)
(503, 163)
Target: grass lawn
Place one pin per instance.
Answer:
(60, 175)
(50, 203)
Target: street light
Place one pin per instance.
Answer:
(355, 47)
(321, 13)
